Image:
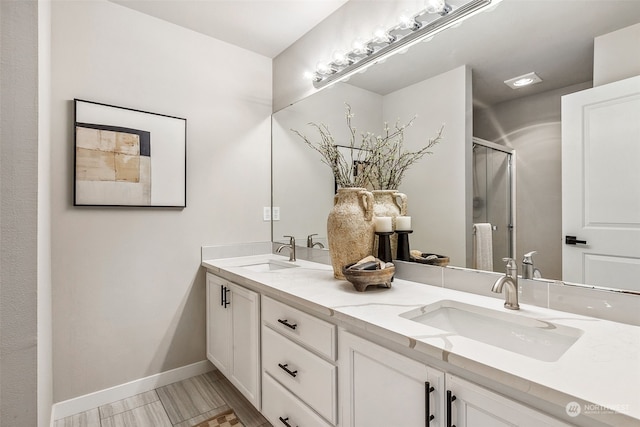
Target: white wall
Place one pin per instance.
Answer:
(437, 186)
(616, 55)
(128, 292)
(19, 271)
(45, 316)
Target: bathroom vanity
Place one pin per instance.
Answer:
(309, 350)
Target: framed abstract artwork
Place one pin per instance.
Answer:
(127, 157)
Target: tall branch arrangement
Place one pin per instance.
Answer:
(390, 160)
(382, 160)
(341, 166)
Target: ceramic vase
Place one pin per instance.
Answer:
(350, 228)
(389, 203)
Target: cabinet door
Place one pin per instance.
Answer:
(475, 406)
(245, 341)
(218, 324)
(381, 388)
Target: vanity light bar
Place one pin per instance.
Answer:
(360, 60)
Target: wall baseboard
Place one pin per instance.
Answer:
(102, 397)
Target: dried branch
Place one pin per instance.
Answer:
(382, 160)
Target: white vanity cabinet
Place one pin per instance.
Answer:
(298, 364)
(380, 388)
(233, 340)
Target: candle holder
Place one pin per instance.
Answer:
(403, 245)
(384, 245)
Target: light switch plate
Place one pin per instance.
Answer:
(276, 213)
(266, 213)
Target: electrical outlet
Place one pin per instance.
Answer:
(276, 213)
(266, 213)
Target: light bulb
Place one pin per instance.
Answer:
(340, 58)
(435, 6)
(381, 35)
(523, 82)
(360, 47)
(324, 68)
(407, 21)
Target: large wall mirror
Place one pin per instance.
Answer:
(457, 79)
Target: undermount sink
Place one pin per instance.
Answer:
(267, 266)
(538, 339)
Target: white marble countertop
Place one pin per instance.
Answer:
(600, 371)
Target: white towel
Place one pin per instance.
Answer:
(483, 247)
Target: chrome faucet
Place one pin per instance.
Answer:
(291, 246)
(511, 280)
(312, 244)
(529, 271)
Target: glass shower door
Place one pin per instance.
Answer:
(492, 196)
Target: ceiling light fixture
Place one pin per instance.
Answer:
(435, 17)
(523, 80)
(437, 6)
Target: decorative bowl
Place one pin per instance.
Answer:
(361, 279)
(441, 260)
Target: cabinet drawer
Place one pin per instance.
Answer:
(303, 373)
(299, 326)
(280, 407)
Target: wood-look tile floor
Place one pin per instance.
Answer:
(181, 404)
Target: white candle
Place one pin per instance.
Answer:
(383, 224)
(403, 223)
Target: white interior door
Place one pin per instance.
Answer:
(601, 185)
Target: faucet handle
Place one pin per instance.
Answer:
(310, 240)
(528, 257)
(511, 264)
(292, 240)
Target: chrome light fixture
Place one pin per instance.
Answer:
(410, 30)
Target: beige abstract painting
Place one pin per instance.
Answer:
(110, 166)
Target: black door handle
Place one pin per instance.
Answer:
(287, 370)
(427, 404)
(226, 301)
(450, 398)
(573, 240)
(286, 323)
(285, 421)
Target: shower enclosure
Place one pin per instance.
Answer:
(494, 196)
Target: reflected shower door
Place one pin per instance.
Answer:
(492, 197)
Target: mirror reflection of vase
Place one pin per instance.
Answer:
(350, 228)
(389, 203)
